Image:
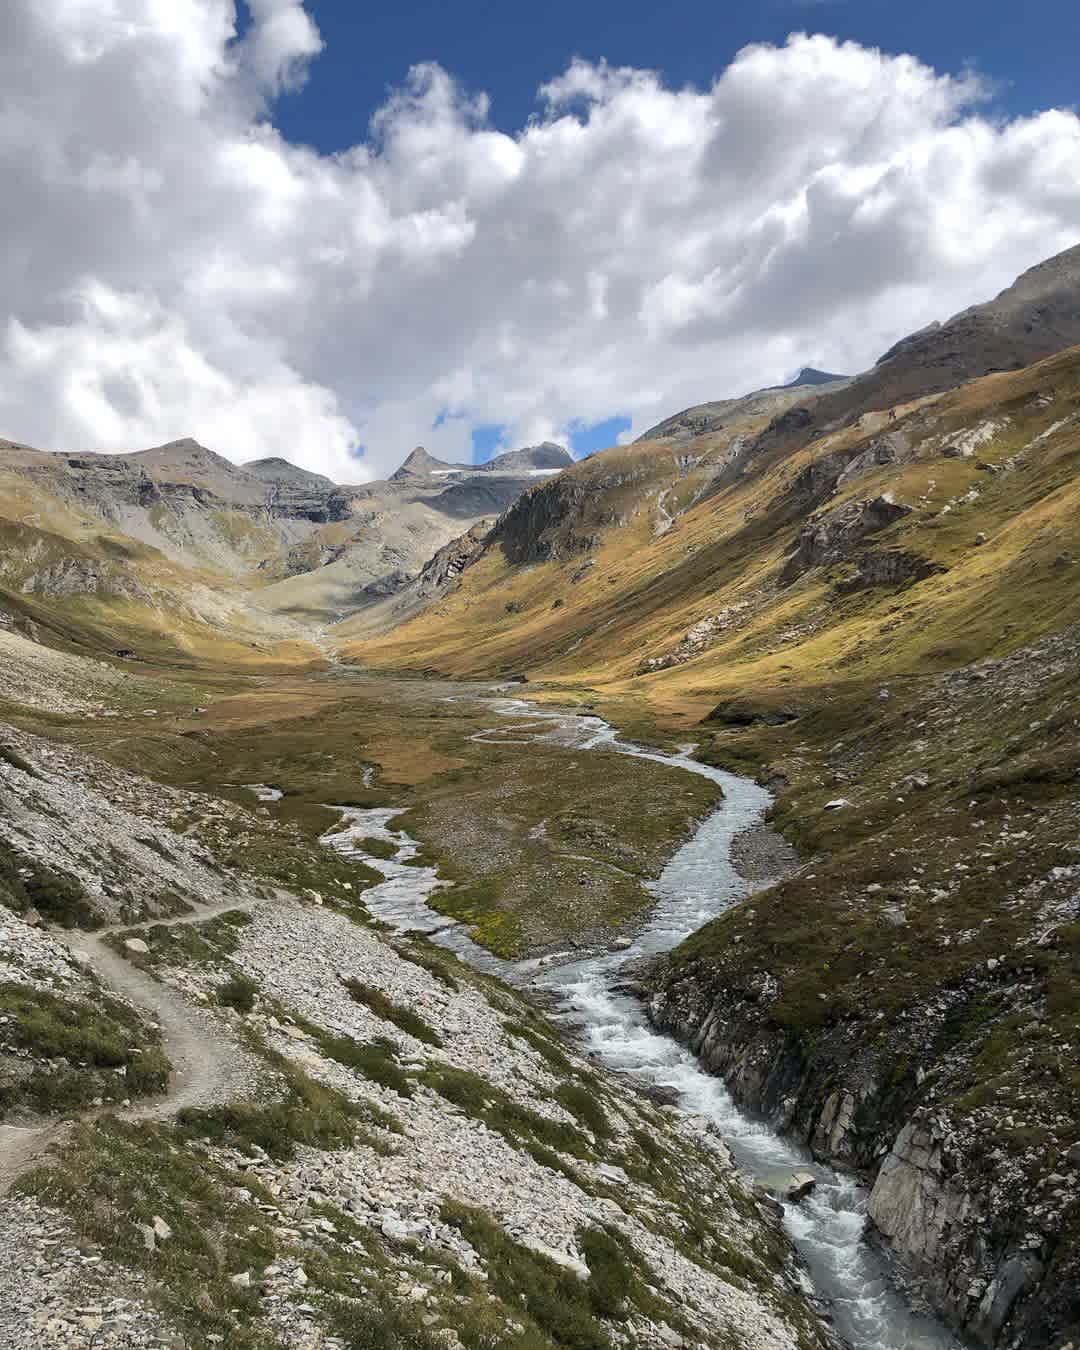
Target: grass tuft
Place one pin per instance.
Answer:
(403, 1018)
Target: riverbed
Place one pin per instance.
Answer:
(699, 882)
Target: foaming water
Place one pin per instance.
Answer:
(698, 883)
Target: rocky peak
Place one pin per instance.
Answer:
(420, 464)
(278, 470)
(545, 457)
(811, 375)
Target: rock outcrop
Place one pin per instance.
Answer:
(833, 536)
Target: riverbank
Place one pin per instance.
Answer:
(402, 1153)
(700, 881)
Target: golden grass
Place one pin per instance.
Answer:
(646, 590)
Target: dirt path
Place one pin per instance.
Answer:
(207, 1066)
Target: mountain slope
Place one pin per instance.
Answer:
(177, 545)
(880, 618)
(1037, 315)
(808, 385)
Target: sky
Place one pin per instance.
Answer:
(331, 231)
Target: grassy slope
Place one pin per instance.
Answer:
(928, 956)
(645, 591)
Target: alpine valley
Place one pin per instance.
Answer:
(632, 902)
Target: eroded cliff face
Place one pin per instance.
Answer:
(906, 1004)
(990, 1249)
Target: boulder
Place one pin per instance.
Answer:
(136, 946)
(800, 1185)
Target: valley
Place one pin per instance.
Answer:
(558, 856)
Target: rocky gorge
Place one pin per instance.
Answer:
(973, 1172)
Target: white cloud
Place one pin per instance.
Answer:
(173, 266)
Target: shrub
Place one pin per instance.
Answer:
(376, 1323)
(10, 756)
(85, 1044)
(238, 992)
(57, 896)
(584, 1104)
(500, 1112)
(377, 848)
(375, 1060)
(435, 963)
(554, 1298)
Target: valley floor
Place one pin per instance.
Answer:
(235, 1112)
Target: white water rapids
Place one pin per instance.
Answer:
(698, 883)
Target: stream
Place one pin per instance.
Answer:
(698, 883)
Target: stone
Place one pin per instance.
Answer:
(669, 1336)
(162, 1231)
(563, 1259)
(399, 1230)
(837, 804)
(800, 1185)
(242, 1280)
(136, 946)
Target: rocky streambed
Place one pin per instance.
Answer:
(829, 1224)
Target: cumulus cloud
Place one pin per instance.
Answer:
(174, 266)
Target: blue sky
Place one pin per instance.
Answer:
(1029, 51)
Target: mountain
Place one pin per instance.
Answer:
(281, 473)
(1037, 315)
(808, 375)
(419, 464)
(544, 458)
(706, 417)
(866, 595)
(196, 548)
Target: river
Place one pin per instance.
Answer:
(827, 1228)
